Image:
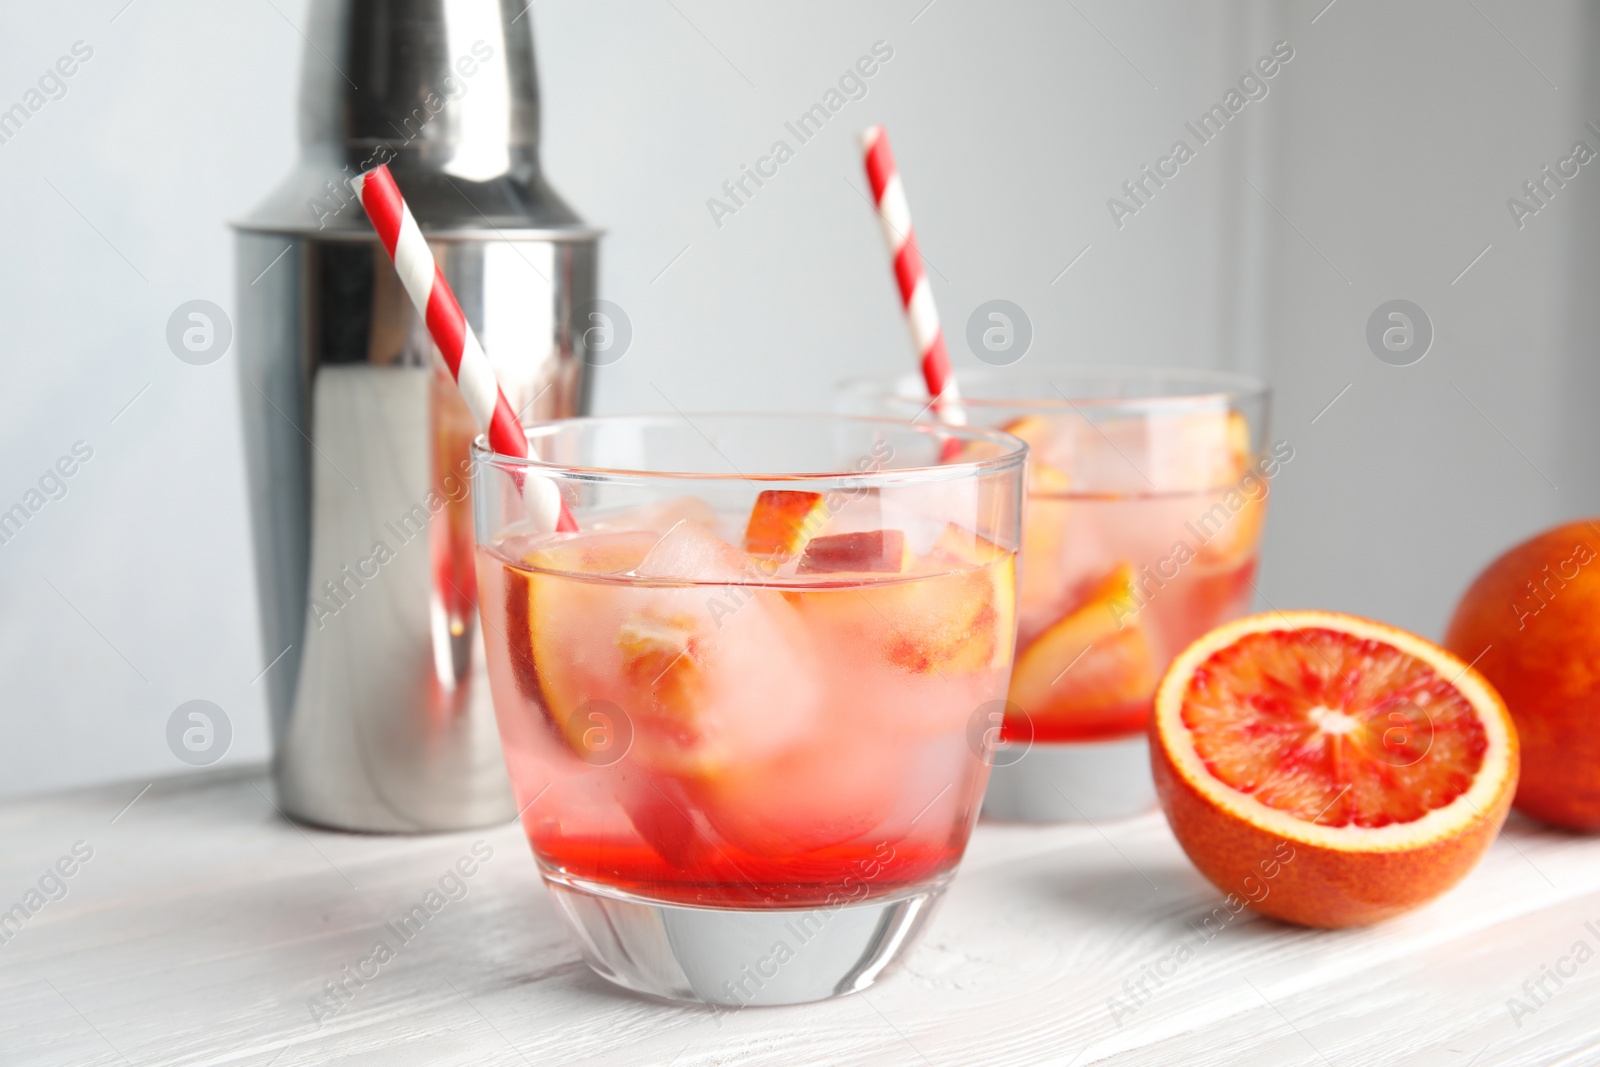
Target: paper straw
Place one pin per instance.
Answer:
(916, 295)
(447, 325)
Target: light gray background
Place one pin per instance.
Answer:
(1378, 167)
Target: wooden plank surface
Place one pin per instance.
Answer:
(203, 927)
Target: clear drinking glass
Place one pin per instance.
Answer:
(1147, 491)
(744, 709)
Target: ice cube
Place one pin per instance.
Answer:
(711, 677)
(1110, 455)
(1051, 438)
(1185, 450)
(690, 552)
(923, 510)
(1196, 450)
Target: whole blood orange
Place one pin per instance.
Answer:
(1330, 770)
(1532, 622)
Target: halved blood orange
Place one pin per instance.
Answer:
(1330, 770)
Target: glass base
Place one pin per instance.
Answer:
(736, 958)
(1070, 781)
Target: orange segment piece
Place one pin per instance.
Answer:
(782, 521)
(659, 654)
(661, 657)
(981, 633)
(1365, 768)
(1091, 674)
(960, 617)
(1237, 517)
(870, 551)
(607, 553)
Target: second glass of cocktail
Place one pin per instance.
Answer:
(738, 707)
(1147, 490)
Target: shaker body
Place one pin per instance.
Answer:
(356, 444)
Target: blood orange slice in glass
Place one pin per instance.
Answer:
(1091, 674)
(1330, 770)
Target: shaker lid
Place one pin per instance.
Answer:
(443, 91)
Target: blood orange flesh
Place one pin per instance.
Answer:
(1333, 728)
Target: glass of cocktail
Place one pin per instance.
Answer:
(1147, 490)
(744, 708)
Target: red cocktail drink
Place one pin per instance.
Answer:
(751, 693)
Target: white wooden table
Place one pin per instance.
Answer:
(203, 925)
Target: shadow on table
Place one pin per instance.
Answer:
(1116, 893)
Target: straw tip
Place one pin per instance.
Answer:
(869, 137)
(360, 180)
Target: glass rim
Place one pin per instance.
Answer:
(1211, 387)
(1013, 454)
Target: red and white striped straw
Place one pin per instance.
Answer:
(447, 325)
(915, 292)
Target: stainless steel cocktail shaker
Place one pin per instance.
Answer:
(356, 441)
